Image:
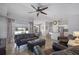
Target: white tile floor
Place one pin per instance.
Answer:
(23, 50)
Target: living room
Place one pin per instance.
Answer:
(39, 28)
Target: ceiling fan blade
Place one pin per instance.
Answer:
(43, 8)
(33, 7)
(32, 12)
(44, 13)
(37, 14)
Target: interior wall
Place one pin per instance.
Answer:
(3, 28)
(3, 21)
(73, 23)
(20, 25)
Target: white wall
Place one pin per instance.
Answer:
(3, 22)
(73, 23)
(3, 28)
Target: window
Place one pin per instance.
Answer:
(21, 31)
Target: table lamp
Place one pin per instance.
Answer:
(76, 34)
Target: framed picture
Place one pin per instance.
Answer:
(55, 22)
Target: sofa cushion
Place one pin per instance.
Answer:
(37, 42)
(38, 50)
(64, 53)
(33, 43)
(58, 46)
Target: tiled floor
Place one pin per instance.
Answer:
(23, 50)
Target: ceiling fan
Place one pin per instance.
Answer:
(39, 10)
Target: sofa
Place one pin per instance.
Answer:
(31, 44)
(64, 51)
(2, 46)
(63, 40)
(58, 46)
(22, 39)
(60, 49)
(69, 51)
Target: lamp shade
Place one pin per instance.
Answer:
(76, 33)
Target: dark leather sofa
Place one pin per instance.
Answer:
(2, 46)
(58, 47)
(64, 50)
(69, 51)
(31, 44)
(63, 40)
(22, 39)
(2, 51)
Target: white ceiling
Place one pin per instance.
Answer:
(20, 10)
